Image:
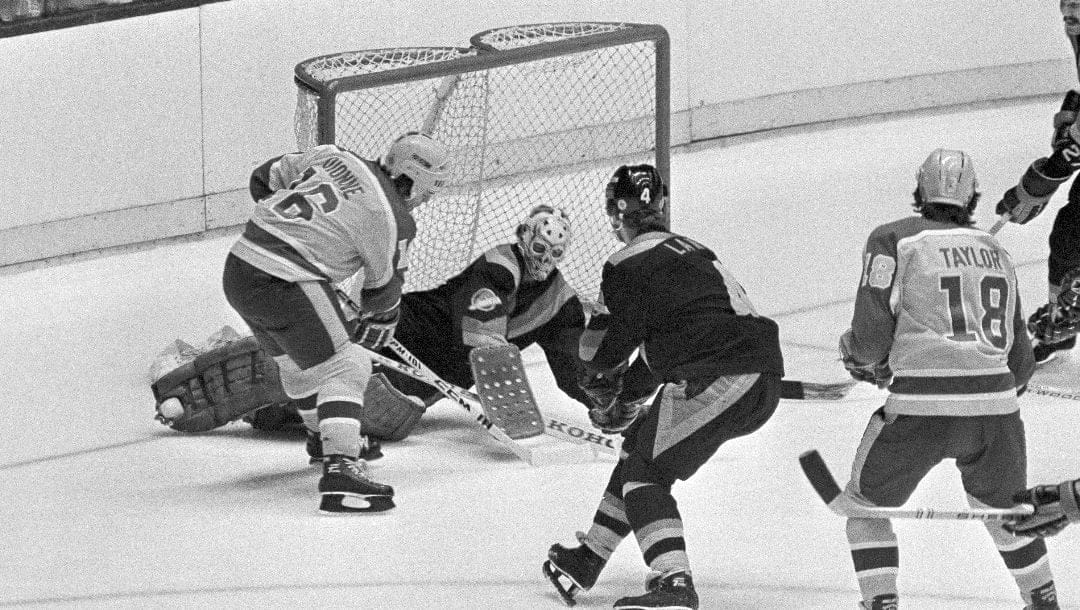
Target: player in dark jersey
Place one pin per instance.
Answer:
(938, 320)
(1053, 326)
(320, 217)
(1055, 507)
(720, 366)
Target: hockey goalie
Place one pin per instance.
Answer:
(511, 295)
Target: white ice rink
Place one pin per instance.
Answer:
(102, 507)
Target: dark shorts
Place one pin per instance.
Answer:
(679, 434)
(303, 320)
(897, 451)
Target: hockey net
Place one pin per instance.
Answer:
(533, 114)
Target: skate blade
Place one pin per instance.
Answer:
(568, 592)
(336, 503)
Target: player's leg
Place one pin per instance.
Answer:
(686, 425)
(895, 453)
(302, 325)
(575, 569)
(1053, 329)
(990, 453)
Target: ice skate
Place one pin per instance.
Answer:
(345, 488)
(370, 448)
(1044, 598)
(674, 591)
(886, 601)
(579, 566)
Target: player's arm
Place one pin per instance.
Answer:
(384, 277)
(1021, 359)
(1042, 178)
(560, 338)
(1055, 507)
(480, 305)
(864, 348)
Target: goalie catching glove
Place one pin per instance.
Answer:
(220, 386)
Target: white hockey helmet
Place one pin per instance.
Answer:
(424, 160)
(544, 236)
(947, 176)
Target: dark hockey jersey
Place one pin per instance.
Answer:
(493, 299)
(669, 296)
(325, 214)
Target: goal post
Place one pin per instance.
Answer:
(538, 113)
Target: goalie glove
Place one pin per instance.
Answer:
(1055, 507)
(220, 386)
(376, 330)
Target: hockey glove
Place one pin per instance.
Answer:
(617, 417)
(1055, 507)
(878, 374)
(1053, 324)
(376, 329)
(1069, 294)
(602, 388)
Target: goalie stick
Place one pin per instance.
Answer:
(562, 429)
(817, 472)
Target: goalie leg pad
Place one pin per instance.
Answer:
(504, 390)
(220, 386)
(388, 414)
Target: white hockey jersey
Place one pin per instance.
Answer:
(325, 214)
(940, 301)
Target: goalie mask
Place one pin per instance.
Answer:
(423, 160)
(636, 193)
(544, 237)
(948, 177)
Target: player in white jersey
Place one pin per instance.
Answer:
(320, 217)
(938, 321)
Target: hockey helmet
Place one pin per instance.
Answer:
(947, 176)
(633, 188)
(544, 237)
(424, 160)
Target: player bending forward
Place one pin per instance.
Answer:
(1053, 326)
(512, 293)
(320, 217)
(1055, 507)
(720, 364)
(938, 307)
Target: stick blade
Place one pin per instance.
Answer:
(817, 472)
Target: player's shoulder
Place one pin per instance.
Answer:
(501, 262)
(656, 246)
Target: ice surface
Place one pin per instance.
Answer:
(104, 507)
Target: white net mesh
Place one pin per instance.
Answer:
(540, 131)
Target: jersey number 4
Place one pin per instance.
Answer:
(302, 204)
(993, 297)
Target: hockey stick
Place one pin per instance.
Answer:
(1052, 392)
(1002, 220)
(553, 426)
(824, 484)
